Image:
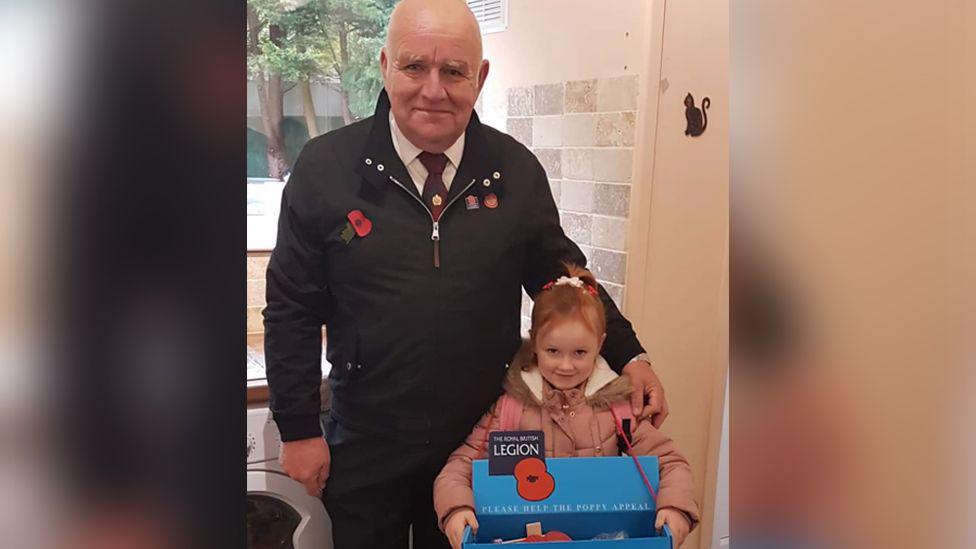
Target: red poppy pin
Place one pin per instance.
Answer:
(360, 223)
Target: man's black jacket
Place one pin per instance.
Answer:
(418, 350)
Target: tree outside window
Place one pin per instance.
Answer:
(313, 66)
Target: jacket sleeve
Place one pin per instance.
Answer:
(297, 297)
(546, 252)
(452, 487)
(676, 488)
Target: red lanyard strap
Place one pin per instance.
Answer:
(630, 451)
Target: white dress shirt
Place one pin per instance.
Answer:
(409, 152)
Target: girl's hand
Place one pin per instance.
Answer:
(676, 521)
(454, 527)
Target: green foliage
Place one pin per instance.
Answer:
(308, 44)
(364, 22)
(297, 49)
(362, 79)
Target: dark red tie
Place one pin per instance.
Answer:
(435, 193)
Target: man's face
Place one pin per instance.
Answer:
(433, 78)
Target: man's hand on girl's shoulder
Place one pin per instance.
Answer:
(648, 397)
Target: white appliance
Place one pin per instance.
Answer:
(280, 513)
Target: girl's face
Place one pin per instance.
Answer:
(566, 352)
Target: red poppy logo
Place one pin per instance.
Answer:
(533, 480)
(360, 223)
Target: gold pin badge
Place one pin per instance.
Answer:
(436, 200)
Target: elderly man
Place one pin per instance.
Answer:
(410, 235)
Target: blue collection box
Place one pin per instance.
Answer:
(591, 496)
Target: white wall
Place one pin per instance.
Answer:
(551, 41)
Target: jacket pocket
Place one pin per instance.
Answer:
(346, 358)
(376, 343)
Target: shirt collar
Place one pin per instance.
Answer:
(408, 152)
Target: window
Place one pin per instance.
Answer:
(310, 69)
(492, 14)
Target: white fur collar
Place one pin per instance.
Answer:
(599, 378)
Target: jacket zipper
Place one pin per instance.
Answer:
(435, 231)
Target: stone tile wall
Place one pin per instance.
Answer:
(583, 134)
(257, 264)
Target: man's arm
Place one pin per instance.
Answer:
(297, 296)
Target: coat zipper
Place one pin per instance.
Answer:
(435, 231)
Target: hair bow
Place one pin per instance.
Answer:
(573, 281)
(569, 280)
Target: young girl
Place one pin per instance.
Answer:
(567, 391)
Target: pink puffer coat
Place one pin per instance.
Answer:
(576, 422)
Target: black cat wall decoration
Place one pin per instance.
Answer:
(697, 118)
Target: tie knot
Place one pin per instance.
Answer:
(435, 163)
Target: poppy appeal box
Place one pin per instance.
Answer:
(581, 497)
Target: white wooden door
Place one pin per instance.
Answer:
(677, 291)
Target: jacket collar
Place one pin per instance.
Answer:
(524, 381)
(379, 161)
(601, 376)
